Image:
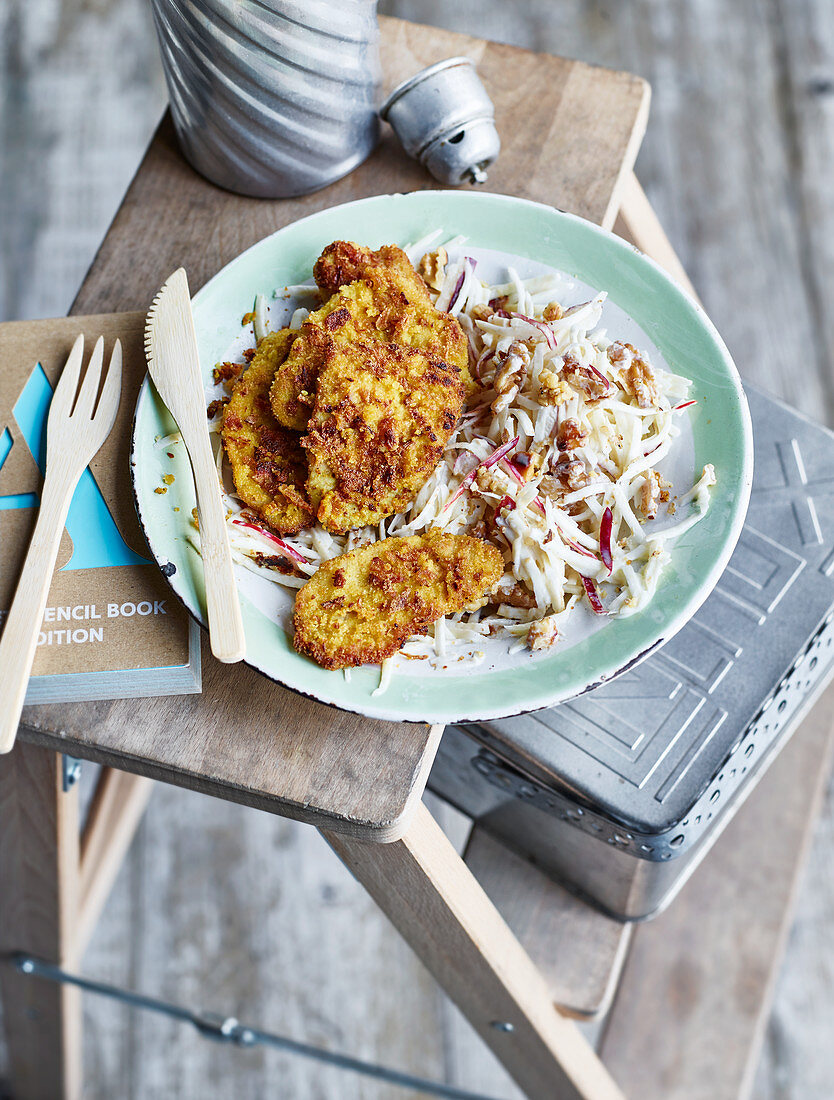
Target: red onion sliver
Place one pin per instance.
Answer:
(593, 598)
(456, 291)
(605, 526)
(580, 549)
(538, 504)
(506, 502)
(490, 460)
(542, 326)
(468, 265)
(509, 468)
(294, 554)
(685, 405)
(483, 358)
(601, 377)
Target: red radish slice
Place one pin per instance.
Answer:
(605, 526)
(593, 598)
(294, 554)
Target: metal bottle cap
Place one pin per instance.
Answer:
(445, 119)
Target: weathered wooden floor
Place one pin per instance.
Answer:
(227, 909)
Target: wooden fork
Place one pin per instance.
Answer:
(75, 429)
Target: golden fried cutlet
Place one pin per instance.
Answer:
(387, 306)
(268, 464)
(361, 607)
(344, 262)
(382, 417)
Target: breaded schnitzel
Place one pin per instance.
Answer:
(344, 262)
(383, 415)
(361, 607)
(268, 464)
(388, 304)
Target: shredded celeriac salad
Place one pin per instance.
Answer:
(554, 460)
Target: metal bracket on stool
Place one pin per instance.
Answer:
(227, 1029)
(71, 771)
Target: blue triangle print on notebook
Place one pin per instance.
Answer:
(96, 540)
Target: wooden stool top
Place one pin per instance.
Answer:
(570, 135)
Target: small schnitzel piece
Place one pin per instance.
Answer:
(269, 466)
(383, 415)
(361, 607)
(386, 305)
(344, 262)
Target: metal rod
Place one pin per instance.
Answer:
(228, 1029)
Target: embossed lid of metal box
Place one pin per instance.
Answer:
(667, 745)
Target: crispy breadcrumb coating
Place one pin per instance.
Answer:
(389, 304)
(359, 608)
(383, 415)
(269, 466)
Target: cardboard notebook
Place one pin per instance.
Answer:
(112, 628)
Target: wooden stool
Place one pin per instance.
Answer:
(571, 133)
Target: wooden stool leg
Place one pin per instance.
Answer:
(38, 902)
(115, 812)
(432, 898)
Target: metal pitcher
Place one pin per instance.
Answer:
(272, 98)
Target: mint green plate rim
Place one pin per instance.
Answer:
(678, 326)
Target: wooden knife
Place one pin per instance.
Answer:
(174, 366)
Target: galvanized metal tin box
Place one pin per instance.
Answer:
(620, 793)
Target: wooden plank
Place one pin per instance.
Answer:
(38, 905)
(578, 951)
(172, 217)
(438, 907)
(113, 817)
(696, 990)
(569, 131)
(258, 744)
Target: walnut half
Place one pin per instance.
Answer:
(432, 267)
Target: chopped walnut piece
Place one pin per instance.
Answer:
(543, 633)
(490, 479)
(570, 435)
(592, 385)
(215, 407)
(432, 267)
(510, 372)
(553, 312)
(553, 388)
(653, 492)
(619, 355)
(480, 313)
(570, 471)
(639, 378)
(517, 596)
(649, 496)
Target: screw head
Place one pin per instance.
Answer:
(502, 1025)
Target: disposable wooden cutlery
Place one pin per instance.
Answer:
(174, 366)
(77, 426)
